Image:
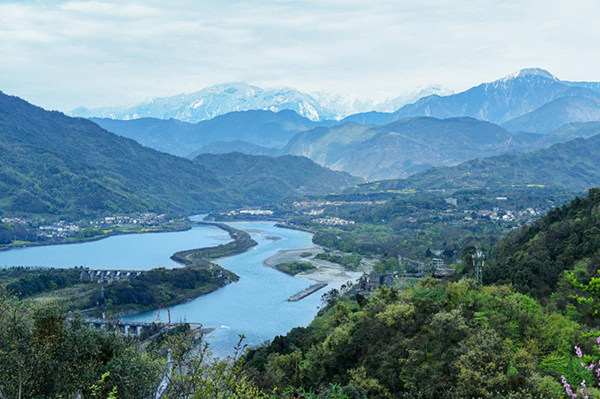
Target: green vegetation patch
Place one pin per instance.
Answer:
(25, 281)
(294, 268)
(241, 243)
(351, 262)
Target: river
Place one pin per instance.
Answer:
(255, 306)
(129, 251)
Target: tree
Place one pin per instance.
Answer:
(194, 374)
(45, 354)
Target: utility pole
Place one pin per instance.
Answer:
(478, 263)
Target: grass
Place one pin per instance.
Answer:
(20, 243)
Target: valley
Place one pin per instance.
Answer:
(433, 131)
(317, 237)
(299, 199)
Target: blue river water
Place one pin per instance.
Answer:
(126, 252)
(255, 306)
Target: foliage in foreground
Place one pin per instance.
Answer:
(436, 341)
(44, 355)
(535, 257)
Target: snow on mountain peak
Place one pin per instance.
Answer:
(530, 72)
(394, 104)
(239, 96)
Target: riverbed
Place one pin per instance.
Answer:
(255, 306)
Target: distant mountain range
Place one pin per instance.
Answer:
(404, 147)
(51, 164)
(395, 150)
(504, 100)
(573, 165)
(229, 97)
(263, 128)
(432, 131)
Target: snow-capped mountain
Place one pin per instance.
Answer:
(342, 104)
(216, 100)
(394, 104)
(498, 101)
(224, 98)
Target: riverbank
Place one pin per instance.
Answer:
(242, 242)
(198, 260)
(183, 226)
(325, 272)
(157, 287)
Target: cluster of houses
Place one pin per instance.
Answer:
(63, 229)
(147, 218)
(334, 221)
(320, 204)
(249, 210)
(505, 215)
(15, 221)
(315, 212)
(60, 229)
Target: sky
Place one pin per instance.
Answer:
(64, 54)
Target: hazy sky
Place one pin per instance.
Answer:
(61, 54)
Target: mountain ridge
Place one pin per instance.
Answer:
(498, 101)
(52, 164)
(223, 98)
(259, 127)
(571, 165)
(403, 147)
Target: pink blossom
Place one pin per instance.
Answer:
(591, 366)
(583, 390)
(568, 388)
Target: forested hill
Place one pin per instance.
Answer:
(460, 339)
(267, 178)
(52, 164)
(406, 146)
(535, 257)
(574, 166)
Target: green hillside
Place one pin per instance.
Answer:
(534, 258)
(52, 164)
(404, 147)
(263, 178)
(572, 166)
